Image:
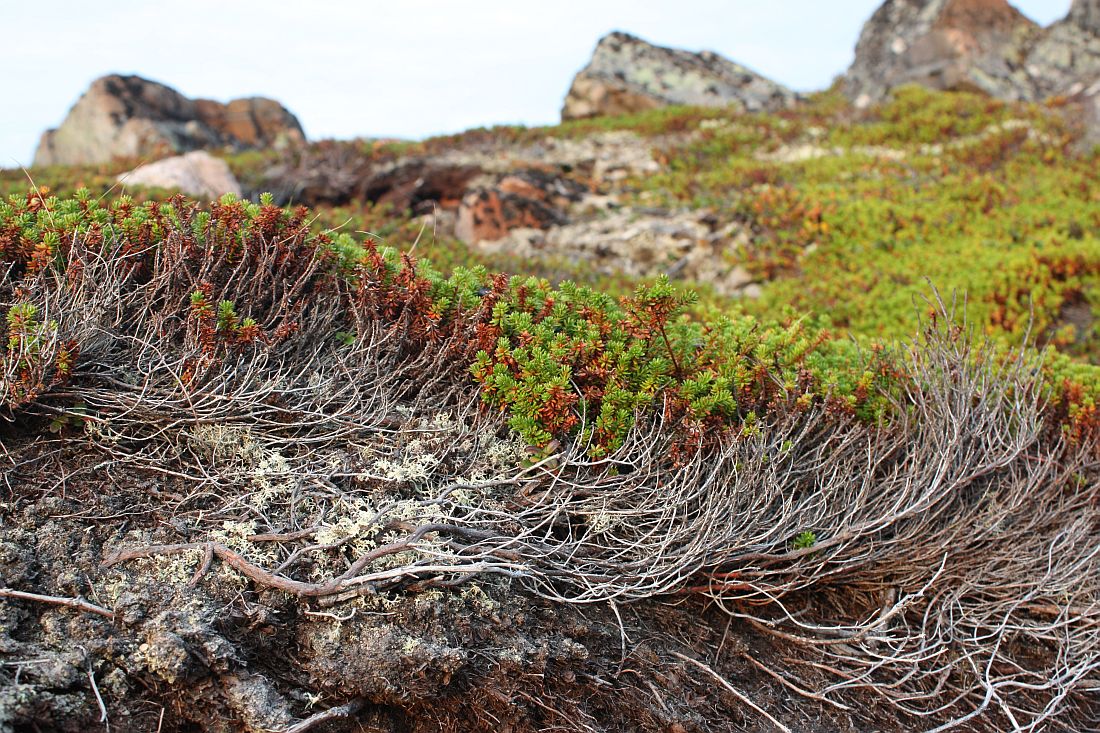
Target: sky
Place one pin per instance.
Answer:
(401, 68)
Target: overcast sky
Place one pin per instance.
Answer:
(401, 68)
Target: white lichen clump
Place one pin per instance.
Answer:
(402, 480)
(414, 466)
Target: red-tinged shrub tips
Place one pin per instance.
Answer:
(239, 278)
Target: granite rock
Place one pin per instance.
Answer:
(627, 74)
(132, 117)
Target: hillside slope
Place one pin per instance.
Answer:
(284, 469)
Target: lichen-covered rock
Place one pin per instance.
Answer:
(1066, 59)
(335, 173)
(975, 45)
(1089, 101)
(693, 245)
(526, 199)
(419, 185)
(626, 75)
(1085, 14)
(252, 122)
(130, 117)
(197, 174)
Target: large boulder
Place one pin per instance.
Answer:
(627, 75)
(251, 122)
(1066, 59)
(197, 173)
(1085, 14)
(130, 117)
(975, 45)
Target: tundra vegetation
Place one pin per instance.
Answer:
(885, 470)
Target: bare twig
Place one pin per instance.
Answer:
(343, 711)
(792, 686)
(95, 689)
(207, 559)
(734, 691)
(77, 603)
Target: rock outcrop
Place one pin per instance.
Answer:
(1085, 14)
(197, 173)
(975, 45)
(335, 173)
(129, 117)
(1089, 101)
(525, 199)
(1066, 59)
(642, 242)
(626, 75)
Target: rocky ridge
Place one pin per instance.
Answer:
(627, 74)
(543, 199)
(975, 45)
(132, 117)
